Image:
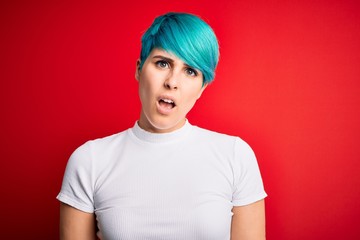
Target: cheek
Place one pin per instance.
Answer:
(144, 85)
(148, 89)
(150, 80)
(143, 93)
(192, 96)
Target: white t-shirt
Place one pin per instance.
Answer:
(178, 185)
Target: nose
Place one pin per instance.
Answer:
(171, 81)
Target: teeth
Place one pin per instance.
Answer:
(167, 100)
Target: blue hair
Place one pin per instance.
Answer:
(188, 37)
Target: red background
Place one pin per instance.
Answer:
(287, 83)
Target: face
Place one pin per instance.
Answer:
(168, 89)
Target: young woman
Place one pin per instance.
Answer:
(165, 178)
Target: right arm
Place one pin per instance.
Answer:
(76, 224)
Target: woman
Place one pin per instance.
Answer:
(165, 178)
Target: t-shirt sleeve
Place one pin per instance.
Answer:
(77, 186)
(248, 184)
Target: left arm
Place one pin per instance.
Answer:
(248, 222)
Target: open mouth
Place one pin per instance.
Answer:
(167, 103)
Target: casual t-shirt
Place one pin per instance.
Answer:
(178, 185)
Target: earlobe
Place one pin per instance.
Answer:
(137, 71)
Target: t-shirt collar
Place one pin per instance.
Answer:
(146, 136)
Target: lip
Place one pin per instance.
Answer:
(163, 110)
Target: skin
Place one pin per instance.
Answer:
(164, 75)
(76, 224)
(248, 222)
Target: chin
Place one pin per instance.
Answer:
(165, 125)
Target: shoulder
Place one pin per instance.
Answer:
(214, 142)
(95, 154)
(224, 142)
(94, 147)
(217, 137)
(106, 142)
(206, 133)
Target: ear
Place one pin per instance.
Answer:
(137, 71)
(202, 90)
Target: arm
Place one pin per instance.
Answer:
(248, 222)
(75, 224)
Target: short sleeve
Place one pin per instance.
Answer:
(248, 184)
(77, 186)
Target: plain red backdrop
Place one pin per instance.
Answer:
(287, 83)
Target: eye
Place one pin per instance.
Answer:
(191, 72)
(162, 64)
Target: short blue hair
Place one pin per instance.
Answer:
(188, 37)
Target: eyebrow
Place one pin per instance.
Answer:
(164, 58)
